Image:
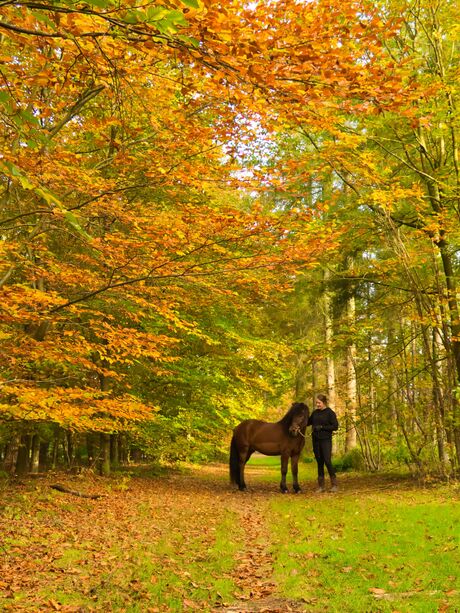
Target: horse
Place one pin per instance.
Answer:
(285, 437)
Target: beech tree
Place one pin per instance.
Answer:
(168, 169)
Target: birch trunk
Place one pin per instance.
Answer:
(350, 441)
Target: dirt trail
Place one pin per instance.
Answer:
(59, 550)
(253, 574)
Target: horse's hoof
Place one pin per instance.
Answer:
(296, 491)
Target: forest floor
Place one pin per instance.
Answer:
(187, 541)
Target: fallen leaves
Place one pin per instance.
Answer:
(143, 546)
(378, 591)
(87, 550)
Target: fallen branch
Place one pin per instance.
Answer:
(61, 488)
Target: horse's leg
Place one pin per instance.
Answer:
(295, 470)
(244, 457)
(284, 468)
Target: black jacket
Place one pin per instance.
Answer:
(323, 423)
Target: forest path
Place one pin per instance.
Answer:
(181, 542)
(253, 572)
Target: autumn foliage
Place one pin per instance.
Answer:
(151, 226)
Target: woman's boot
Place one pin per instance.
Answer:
(320, 485)
(334, 486)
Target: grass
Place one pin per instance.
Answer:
(182, 542)
(376, 552)
(171, 572)
(153, 547)
(268, 470)
(264, 461)
(273, 461)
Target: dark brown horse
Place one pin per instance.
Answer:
(286, 438)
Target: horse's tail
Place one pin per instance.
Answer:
(234, 463)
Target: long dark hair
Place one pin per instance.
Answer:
(323, 398)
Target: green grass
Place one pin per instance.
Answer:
(158, 548)
(69, 558)
(264, 460)
(269, 470)
(381, 544)
(379, 552)
(273, 461)
(172, 570)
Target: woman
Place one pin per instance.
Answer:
(323, 422)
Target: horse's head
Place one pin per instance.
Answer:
(300, 414)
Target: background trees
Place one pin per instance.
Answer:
(196, 197)
(395, 185)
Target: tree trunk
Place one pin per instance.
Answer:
(438, 400)
(329, 335)
(11, 453)
(350, 442)
(90, 449)
(54, 452)
(104, 439)
(22, 462)
(114, 449)
(123, 448)
(330, 364)
(105, 454)
(43, 456)
(35, 455)
(313, 384)
(70, 449)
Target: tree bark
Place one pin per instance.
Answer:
(350, 441)
(105, 454)
(114, 449)
(22, 461)
(35, 454)
(43, 455)
(11, 453)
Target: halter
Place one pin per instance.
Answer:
(297, 430)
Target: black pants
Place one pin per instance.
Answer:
(322, 448)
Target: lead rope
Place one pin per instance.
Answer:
(299, 431)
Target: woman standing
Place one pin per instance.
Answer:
(323, 422)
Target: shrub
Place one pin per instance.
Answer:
(352, 460)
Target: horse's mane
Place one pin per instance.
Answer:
(296, 408)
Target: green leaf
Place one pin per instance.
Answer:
(103, 4)
(156, 13)
(25, 182)
(132, 17)
(73, 221)
(176, 18)
(189, 40)
(29, 117)
(48, 196)
(41, 17)
(192, 3)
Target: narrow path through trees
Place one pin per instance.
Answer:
(187, 542)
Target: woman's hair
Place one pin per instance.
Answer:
(323, 398)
